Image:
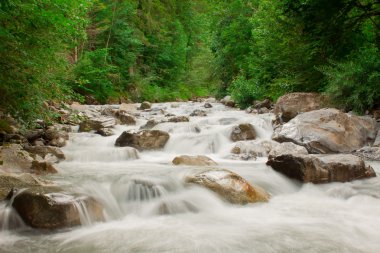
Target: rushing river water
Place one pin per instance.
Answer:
(148, 209)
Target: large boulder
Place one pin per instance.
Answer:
(327, 131)
(199, 160)
(51, 209)
(291, 104)
(243, 132)
(143, 140)
(229, 186)
(321, 168)
(96, 123)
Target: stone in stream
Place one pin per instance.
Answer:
(321, 168)
(51, 208)
(150, 124)
(229, 186)
(287, 148)
(14, 159)
(143, 140)
(96, 123)
(44, 151)
(327, 131)
(199, 160)
(207, 105)
(177, 119)
(227, 101)
(145, 105)
(125, 118)
(105, 132)
(243, 132)
(198, 113)
(290, 105)
(255, 148)
(57, 135)
(9, 181)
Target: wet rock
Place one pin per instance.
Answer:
(96, 124)
(14, 159)
(12, 138)
(32, 135)
(369, 153)
(177, 119)
(9, 181)
(198, 113)
(227, 101)
(166, 207)
(43, 209)
(287, 148)
(291, 104)
(125, 119)
(263, 110)
(56, 136)
(45, 151)
(242, 156)
(256, 148)
(243, 132)
(145, 105)
(327, 131)
(321, 168)
(199, 160)
(42, 167)
(266, 103)
(150, 124)
(229, 186)
(105, 132)
(143, 140)
(207, 105)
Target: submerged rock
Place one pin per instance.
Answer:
(243, 132)
(198, 113)
(45, 209)
(290, 105)
(321, 168)
(143, 140)
(327, 131)
(229, 186)
(199, 160)
(207, 105)
(256, 148)
(177, 119)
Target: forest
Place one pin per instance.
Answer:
(110, 51)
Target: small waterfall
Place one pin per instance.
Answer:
(85, 218)
(9, 218)
(143, 190)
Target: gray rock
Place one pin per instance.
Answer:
(229, 186)
(143, 140)
(327, 131)
(321, 168)
(243, 132)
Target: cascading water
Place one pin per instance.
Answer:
(148, 208)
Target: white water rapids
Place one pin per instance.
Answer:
(148, 209)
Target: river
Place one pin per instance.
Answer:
(134, 188)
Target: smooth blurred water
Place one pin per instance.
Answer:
(149, 209)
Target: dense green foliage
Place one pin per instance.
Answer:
(267, 48)
(112, 50)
